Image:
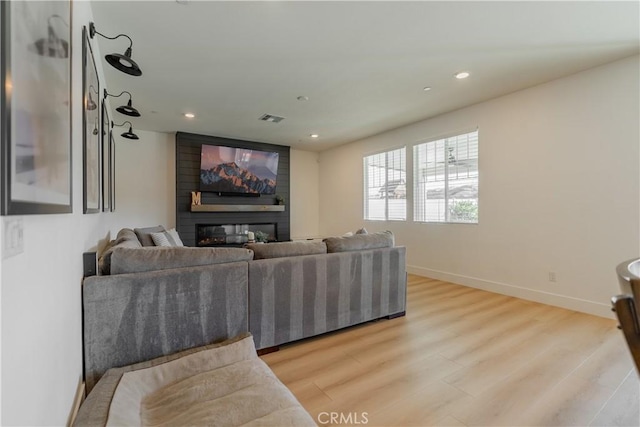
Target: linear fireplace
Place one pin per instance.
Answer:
(232, 234)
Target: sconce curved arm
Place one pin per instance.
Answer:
(121, 124)
(116, 96)
(93, 32)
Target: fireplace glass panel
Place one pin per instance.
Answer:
(231, 234)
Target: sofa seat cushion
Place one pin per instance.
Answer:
(286, 249)
(359, 242)
(138, 260)
(219, 384)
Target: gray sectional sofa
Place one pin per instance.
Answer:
(154, 301)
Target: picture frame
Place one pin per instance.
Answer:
(106, 159)
(35, 108)
(91, 148)
(112, 167)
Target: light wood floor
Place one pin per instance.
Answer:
(463, 356)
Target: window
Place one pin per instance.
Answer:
(445, 176)
(385, 190)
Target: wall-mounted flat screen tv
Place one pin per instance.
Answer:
(237, 170)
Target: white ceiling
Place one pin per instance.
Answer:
(363, 65)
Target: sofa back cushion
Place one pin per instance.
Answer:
(286, 249)
(360, 242)
(137, 260)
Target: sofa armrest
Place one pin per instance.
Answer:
(95, 409)
(130, 318)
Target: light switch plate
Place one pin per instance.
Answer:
(12, 236)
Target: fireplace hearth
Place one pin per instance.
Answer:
(232, 235)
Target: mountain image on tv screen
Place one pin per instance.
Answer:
(237, 170)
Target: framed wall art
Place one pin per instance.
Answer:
(106, 159)
(91, 128)
(112, 166)
(35, 104)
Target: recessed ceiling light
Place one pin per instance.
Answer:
(189, 115)
(314, 135)
(462, 75)
(426, 88)
(302, 98)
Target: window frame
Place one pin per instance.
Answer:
(446, 173)
(367, 187)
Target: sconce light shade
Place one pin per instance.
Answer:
(127, 110)
(52, 46)
(129, 134)
(124, 62)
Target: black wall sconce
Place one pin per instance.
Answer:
(52, 46)
(124, 62)
(127, 110)
(129, 134)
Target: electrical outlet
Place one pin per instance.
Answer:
(12, 236)
(552, 276)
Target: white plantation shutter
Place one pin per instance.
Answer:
(385, 193)
(445, 176)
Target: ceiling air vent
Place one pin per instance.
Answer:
(271, 118)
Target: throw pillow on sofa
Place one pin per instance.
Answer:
(126, 238)
(126, 234)
(167, 238)
(144, 234)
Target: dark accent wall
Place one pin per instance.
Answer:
(188, 180)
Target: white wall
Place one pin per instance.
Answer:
(559, 191)
(305, 199)
(41, 365)
(145, 181)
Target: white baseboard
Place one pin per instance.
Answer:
(571, 303)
